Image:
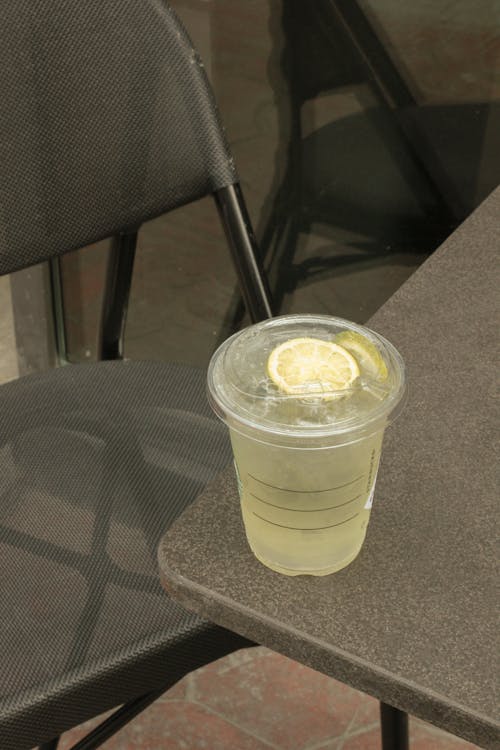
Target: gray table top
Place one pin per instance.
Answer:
(411, 620)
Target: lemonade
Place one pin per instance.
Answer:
(306, 399)
(306, 511)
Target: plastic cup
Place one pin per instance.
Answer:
(306, 465)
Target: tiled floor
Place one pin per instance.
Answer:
(258, 700)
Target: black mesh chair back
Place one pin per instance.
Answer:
(107, 120)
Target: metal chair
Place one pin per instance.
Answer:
(361, 175)
(107, 120)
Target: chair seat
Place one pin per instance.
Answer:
(96, 461)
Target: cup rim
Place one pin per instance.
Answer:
(239, 418)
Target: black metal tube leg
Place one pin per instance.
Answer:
(394, 727)
(52, 745)
(58, 310)
(117, 289)
(117, 720)
(245, 252)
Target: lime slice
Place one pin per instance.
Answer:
(366, 353)
(306, 366)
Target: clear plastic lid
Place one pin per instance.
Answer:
(245, 396)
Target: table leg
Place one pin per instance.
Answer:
(52, 745)
(394, 726)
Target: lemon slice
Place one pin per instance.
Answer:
(366, 353)
(306, 366)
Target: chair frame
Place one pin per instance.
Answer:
(257, 298)
(245, 254)
(244, 251)
(112, 724)
(279, 230)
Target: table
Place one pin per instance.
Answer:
(411, 620)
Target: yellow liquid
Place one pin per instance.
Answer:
(306, 511)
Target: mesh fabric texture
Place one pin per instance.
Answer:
(96, 461)
(107, 120)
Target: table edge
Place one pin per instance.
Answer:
(387, 687)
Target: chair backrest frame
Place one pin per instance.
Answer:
(108, 120)
(79, 169)
(246, 258)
